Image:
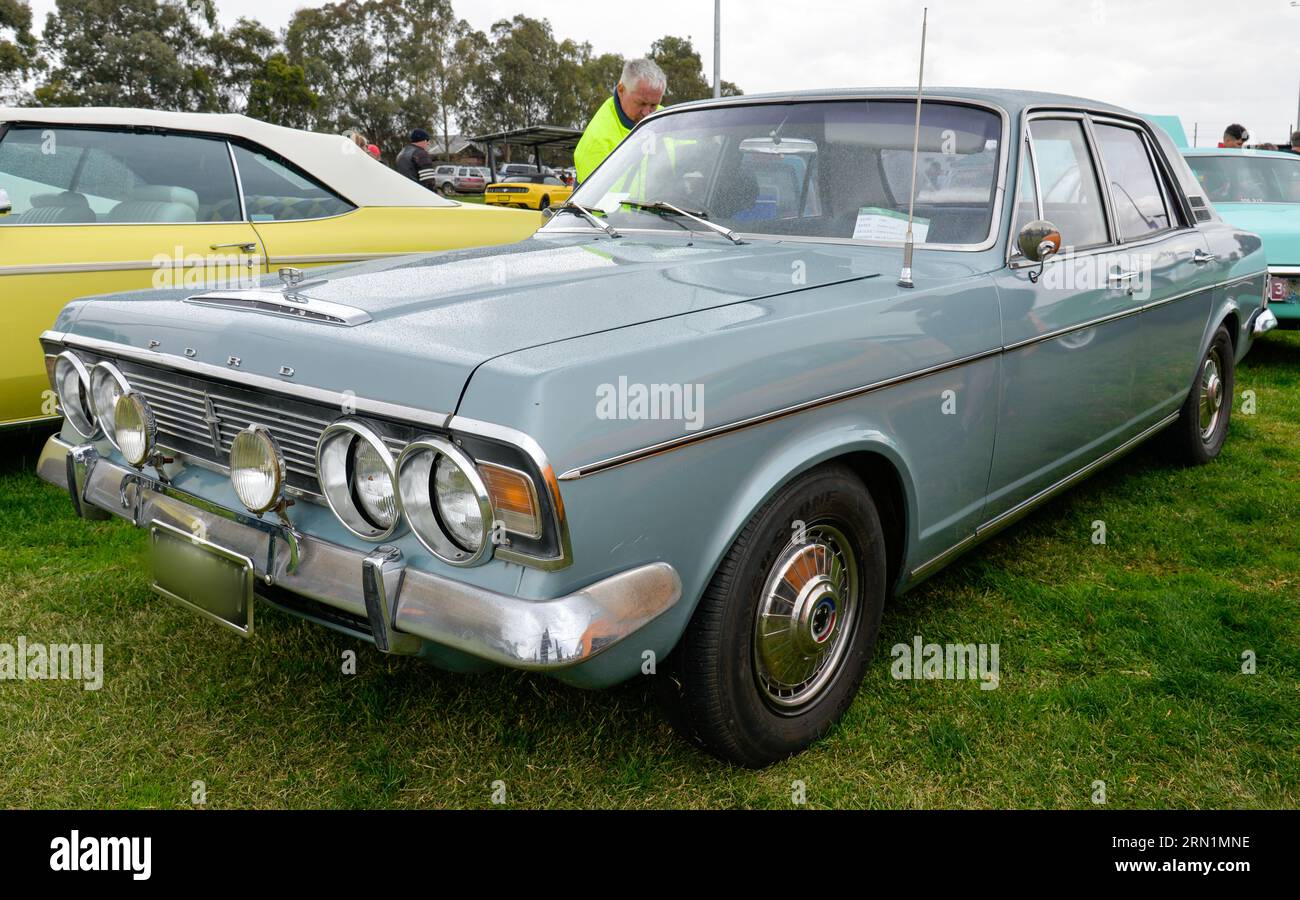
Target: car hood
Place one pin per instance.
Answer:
(1277, 223)
(432, 319)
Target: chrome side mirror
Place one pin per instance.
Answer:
(1039, 241)
(6, 206)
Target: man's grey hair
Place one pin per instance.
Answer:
(643, 71)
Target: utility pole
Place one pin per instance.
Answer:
(717, 48)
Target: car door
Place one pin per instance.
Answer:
(97, 210)
(1175, 271)
(1070, 328)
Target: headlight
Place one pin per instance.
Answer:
(72, 384)
(136, 429)
(256, 469)
(107, 387)
(446, 501)
(358, 477)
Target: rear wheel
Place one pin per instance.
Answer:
(448, 189)
(1202, 426)
(777, 647)
(545, 203)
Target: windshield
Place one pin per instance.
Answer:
(1248, 179)
(831, 169)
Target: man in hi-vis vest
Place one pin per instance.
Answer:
(640, 88)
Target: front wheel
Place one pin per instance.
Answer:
(777, 647)
(1202, 426)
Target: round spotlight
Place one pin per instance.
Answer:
(358, 477)
(256, 469)
(72, 384)
(446, 501)
(107, 386)
(136, 429)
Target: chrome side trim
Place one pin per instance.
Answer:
(623, 459)
(139, 265)
(333, 257)
(1024, 507)
(1284, 270)
(274, 386)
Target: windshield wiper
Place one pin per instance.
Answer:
(664, 206)
(587, 214)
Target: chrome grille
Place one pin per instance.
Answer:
(187, 409)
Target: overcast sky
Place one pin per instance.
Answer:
(1210, 62)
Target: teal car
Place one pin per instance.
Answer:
(1259, 190)
(705, 424)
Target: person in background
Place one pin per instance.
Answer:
(1295, 142)
(356, 137)
(373, 150)
(1265, 146)
(1235, 136)
(639, 90)
(415, 162)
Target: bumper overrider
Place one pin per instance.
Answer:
(404, 606)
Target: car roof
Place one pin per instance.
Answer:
(1239, 151)
(330, 158)
(1011, 100)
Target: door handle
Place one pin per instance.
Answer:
(1118, 278)
(246, 246)
(1200, 257)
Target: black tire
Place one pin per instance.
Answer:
(710, 683)
(545, 203)
(448, 189)
(1197, 436)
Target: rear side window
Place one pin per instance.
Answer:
(276, 191)
(1135, 193)
(79, 176)
(1071, 191)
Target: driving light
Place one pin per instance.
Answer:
(72, 384)
(256, 469)
(135, 428)
(107, 387)
(358, 477)
(446, 501)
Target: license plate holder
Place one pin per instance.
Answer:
(205, 578)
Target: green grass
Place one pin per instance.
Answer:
(1119, 663)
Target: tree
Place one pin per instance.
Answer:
(19, 59)
(239, 57)
(523, 77)
(680, 61)
(148, 53)
(279, 94)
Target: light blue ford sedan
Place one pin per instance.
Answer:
(701, 426)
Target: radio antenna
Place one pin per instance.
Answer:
(905, 276)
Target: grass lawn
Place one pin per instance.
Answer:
(1119, 663)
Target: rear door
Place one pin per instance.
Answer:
(97, 210)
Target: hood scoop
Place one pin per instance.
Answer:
(290, 305)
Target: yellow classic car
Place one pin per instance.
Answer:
(100, 200)
(527, 192)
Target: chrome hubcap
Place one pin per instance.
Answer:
(1211, 396)
(805, 617)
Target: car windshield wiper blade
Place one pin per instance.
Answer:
(664, 206)
(589, 216)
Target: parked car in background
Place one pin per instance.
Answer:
(527, 192)
(697, 427)
(102, 200)
(1259, 190)
(462, 180)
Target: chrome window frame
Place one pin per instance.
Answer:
(998, 194)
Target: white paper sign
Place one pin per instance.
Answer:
(877, 224)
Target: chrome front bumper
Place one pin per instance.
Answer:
(1265, 321)
(402, 604)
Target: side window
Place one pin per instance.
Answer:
(1134, 188)
(75, 176)
(1026, 198)
(275, 191)
(1071, 191)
